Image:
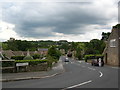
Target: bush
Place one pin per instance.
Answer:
(28, 58)
(31, 62)
(51, 60)
(8, 63)
(36, 56)
(17, 57)
(53, 52)
(91, 56)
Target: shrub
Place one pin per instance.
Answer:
(36, 56)
(51, 60)
(28, 58)
(17, 57)
(91, 56)
(8, 63)
(53, 52)
(31, 62)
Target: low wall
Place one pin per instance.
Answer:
(30, 68)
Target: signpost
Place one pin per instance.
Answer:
(22, 64)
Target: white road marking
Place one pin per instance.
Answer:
(78, 85)
(91, 68)
(101, 74)
(115, 67)
(88, 63)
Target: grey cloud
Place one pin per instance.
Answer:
(66, 18)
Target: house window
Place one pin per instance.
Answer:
(113, 43)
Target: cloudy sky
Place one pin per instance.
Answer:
(76, 20)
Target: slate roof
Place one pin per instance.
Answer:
(8, 53)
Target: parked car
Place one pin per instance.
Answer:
(97, 62)
(66, 60)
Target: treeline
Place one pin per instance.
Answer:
(80, 49)
(23, 45)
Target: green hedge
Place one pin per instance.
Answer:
(91, 56)
(31, 62)
(8, 64)
(36, 56)
(49, 61)
(17, 57)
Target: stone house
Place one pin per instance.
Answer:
(9, 53)
(43, 51)
(62, 51)
(112, 51)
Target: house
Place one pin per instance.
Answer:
(112, 51)
(8, 53)
(18, 53)
(62, 51)
(43, 51)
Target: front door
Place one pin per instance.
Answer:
(106, 58)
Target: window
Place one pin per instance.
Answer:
(113, 43)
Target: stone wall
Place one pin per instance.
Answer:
(111, 55)
(30, 68)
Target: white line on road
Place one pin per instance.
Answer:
(115, 67)
(91, 68)
(78, 85)
(87, 63)
(101, 74)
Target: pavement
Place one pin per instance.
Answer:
(56, 70)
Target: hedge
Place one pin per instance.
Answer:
(17, 57)
(91, 56)
(31, 62)
(8, 64)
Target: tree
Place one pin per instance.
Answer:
(5, 46)
(53, 52)
(95, 46)
(80, 50)
(36, 56)
(105, 36)
(65, 46)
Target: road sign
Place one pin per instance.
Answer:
(22, 64)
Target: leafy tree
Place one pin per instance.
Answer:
(105, 36)
(95, 46)
(78, 53)
(80, 50)
(5, 46)
(36, 56)
(53, 52)
(65, 46)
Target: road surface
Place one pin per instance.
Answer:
(78, 74)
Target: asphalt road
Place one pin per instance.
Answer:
(77, 75)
